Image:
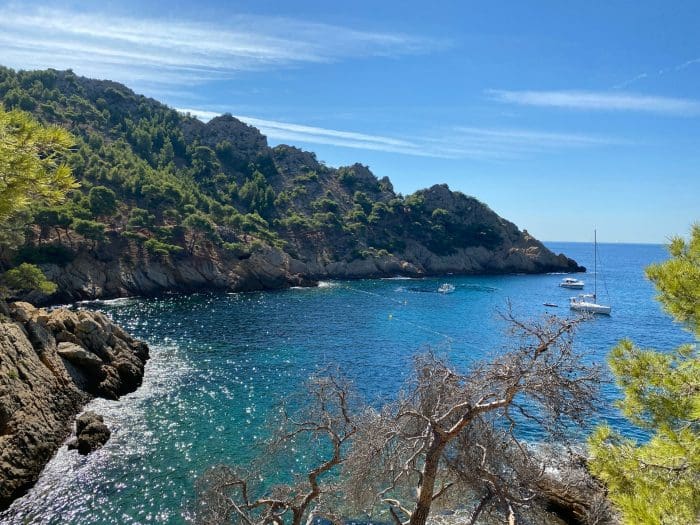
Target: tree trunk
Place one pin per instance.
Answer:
(425, 495)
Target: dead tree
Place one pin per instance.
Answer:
(450, 437)
(455, 433)
(230, 495)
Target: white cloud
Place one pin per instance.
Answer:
(201, 114)
(177, 50)
(602, 101)
(315, 131)
(454, 143)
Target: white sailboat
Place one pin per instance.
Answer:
(587, 302)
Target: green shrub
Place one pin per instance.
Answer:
(27, 278)
(135, 236)
(305, 178)
(102, 201)
(324, 204)
(90, 229)
(157, 247)
(140, 218)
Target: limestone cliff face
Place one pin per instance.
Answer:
(51, 364)
(90, 277)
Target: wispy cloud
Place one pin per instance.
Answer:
(459, 142)
(601, 101)
(659, 73)
(630, 81)
(182, 51)
(686, 64)
(299, 133)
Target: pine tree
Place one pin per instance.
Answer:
(32, 170)
(32, 174)
(658, 481)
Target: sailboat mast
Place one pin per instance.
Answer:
(595, 264)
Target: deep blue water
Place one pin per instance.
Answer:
(220, 362)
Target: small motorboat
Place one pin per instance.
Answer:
(570, 282)
(446, 288)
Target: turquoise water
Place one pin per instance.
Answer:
(220, 362)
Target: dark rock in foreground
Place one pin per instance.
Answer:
(91, 433)
(51, 364)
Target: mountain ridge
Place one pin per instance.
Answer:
(168, 202)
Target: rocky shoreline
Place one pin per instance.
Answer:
(51, 364)
(120, 270)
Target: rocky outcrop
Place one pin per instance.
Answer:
(51, 364)
(90, 433)
(268, 268)
(91, 277)
(571, 493)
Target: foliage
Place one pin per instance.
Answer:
(162, 249)
(32, 174)
(26, 278)
(200, 227)
(92, 230)
(32, 164)
(44, 254)
(324, 204)
(657, 481)
(32, 170)
(102, 201)
(140, 218)
(678, 280)
(257, 194)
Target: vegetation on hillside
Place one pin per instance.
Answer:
(171, 185)
(657, 481)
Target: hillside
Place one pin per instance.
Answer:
(168, 202)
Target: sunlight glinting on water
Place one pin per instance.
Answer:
(222, 364)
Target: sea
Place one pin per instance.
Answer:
(222, 363)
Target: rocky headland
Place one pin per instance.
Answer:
(51, 364)
(170, 203)
(120, 269)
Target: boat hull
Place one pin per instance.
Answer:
(591, 308)
(572, 286)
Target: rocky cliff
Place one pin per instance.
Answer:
(118, 270)
(51, 364)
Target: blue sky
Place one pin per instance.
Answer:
(561, 116)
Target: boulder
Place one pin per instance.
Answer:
(91, 433)
(78, 355)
